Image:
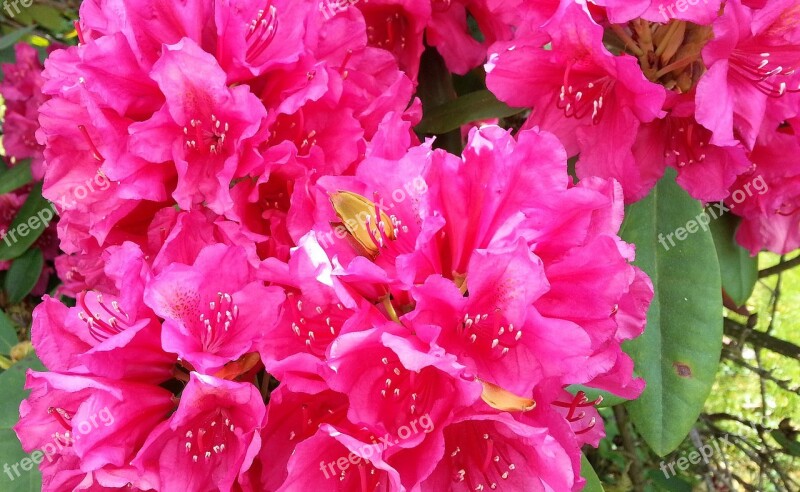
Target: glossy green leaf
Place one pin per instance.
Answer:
(12, 384)
(27, 226)
(791, 447)
(665, 481)
(15, 477)
(23, 274)
(16, 177)
(8, 333)
(738, 269)
(678, 353)
(471, 107)
(47, 17)
(12, 37)
(593, 483)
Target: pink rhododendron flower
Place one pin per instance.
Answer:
(295, 292)
(210, 439)
(88, 417)
(21, 89)
(212, 317)
(766, 198)
(748, 63)
(590, 98)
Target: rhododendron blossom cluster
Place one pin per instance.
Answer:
(282, 274)
(707, 89)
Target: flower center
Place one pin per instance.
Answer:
(573, 407)
(583, 93)
(210, 438)
(687, 140)
(481, 464)
(317, 327)
(201, 137)
(490, 333)
(93, 312)
(218, 320)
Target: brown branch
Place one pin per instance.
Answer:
(760, 339)
(780, 267)
(635, 471)
(762, 373)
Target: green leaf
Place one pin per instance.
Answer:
(479, 105)
(593, 483)
(12, 384)
(16, 177)
(17, 479)
(47, 17)
(738, 269)
(679, 352)
(8, 334)
(12, 37)
(791, 447)
(23, 274)
(673, 483)
(27, 225)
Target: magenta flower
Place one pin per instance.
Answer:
(392, 379)
(113, 335)
(495, 452)
(203, 127)
(592, 100)
(21, 89)
(212, 316)
(325, 459)
(88, 417)
(209, 441)
(752, 60)
(767, 198)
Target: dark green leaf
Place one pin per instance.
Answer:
(791, 447)
(436, 88)
(12, 384)
(471, 107)
(738, 269)
(16, 177)
(27, 225)
(593, 483)
(673, 483)
(8, 334)
(23, 274)
(679, 352)
(12, 37)
(18, 479)
(47, 17)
